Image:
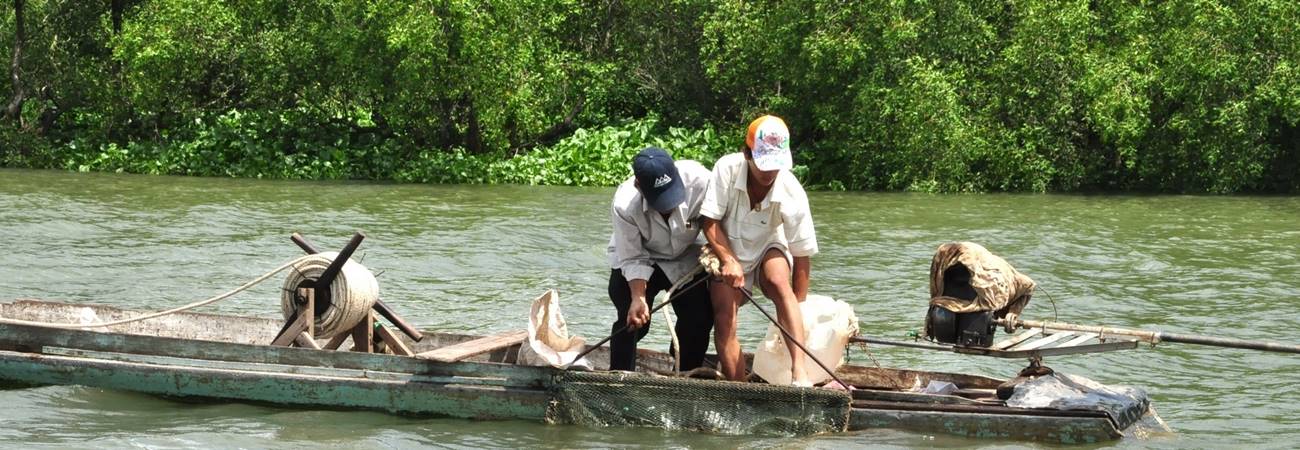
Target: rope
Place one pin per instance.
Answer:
(352, 294)
(672, 322)
(672, 335)
(190, 306)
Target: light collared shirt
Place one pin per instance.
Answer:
(642, 238)
(781, 219)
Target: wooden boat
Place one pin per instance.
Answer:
(227, 358)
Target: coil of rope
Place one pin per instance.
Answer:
(352, 294)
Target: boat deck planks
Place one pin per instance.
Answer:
(475, 347)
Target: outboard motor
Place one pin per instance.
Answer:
(969, 289)
(971, 329)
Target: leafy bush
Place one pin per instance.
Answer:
(600, 157)
(938, 96)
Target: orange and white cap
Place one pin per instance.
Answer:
(769, 142)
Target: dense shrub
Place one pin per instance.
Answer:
(936, 95)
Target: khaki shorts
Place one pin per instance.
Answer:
(752, 273)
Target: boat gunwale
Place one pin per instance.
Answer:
(31, 340)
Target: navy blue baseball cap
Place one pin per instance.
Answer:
(657, 177)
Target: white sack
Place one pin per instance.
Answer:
(828, 325)
(549, 342)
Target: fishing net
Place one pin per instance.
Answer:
(628, 399)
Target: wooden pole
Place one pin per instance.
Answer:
(331, 272)
(363, 335)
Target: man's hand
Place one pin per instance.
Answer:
(638, 315)
(733, 274)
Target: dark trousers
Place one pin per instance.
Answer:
(694, 319)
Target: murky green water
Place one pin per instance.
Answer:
(469, 258)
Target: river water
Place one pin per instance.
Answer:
(470, 258)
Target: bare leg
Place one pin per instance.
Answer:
(726, 300)
(775, 281)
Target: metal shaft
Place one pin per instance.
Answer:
(1230, 342)
(920, 345)
(1156, 337)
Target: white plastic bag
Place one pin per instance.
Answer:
(549, 342)
(828, 325)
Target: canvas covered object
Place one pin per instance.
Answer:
(965, 277)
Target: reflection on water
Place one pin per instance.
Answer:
(469, 258)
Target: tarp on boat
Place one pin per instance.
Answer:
(986, 282)
(1124, 404)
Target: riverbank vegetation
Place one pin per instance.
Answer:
(941, 95)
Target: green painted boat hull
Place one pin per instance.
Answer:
(175, 357)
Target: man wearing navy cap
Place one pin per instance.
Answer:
(656, 241)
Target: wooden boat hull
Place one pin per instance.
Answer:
(187, 355)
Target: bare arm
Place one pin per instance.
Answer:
(639, 312)
(802, 273)
(732, 273)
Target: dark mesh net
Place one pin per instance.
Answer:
(627, 399)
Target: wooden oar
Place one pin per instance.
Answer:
(1156, 337)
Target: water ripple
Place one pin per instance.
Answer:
(469, 258)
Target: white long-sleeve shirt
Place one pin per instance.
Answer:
(642, 238)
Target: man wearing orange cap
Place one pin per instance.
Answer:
(758, 222)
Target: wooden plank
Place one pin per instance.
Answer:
(911, 397)
(391, 340)
(1043, 342)
(305, 341)
(337, 341)
(298, 326)
(309, 311)
(475, 347)
(335, 372)
(1085, 337)
(363, 335)
(985, 409)
(35, 337)
(1063, 430)
(1016, 339)
(885, 378)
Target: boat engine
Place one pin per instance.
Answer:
(969, 329)
(970, 288)
(965, 329)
